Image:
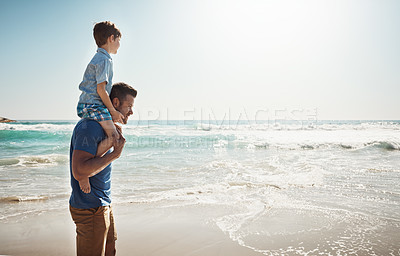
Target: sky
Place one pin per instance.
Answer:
(199, 59)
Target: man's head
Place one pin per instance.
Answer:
(107, 33)
(122, 97)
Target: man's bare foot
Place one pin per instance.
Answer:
(85, 186)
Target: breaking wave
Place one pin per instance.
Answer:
(19, 199)
(35, 161)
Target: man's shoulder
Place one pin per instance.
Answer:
(86, 136)
(84, 122)
(89, 127)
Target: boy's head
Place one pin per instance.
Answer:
(122, 97)
(103, 30)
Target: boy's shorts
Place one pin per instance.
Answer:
(94, 112)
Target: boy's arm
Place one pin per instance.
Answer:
(101, 90)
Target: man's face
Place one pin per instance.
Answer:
(125, 107)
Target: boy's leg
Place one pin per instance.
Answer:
(112, 137)
(85, 185)
(109, 128)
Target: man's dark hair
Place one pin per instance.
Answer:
(103, 30)
(120, 90)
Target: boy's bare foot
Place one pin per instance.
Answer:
(85, 186)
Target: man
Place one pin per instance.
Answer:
(92, 213)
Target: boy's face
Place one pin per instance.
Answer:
(114, 44)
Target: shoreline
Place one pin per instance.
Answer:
(142, 230)
(156, 229)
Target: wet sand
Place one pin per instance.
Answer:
(158, 229)
(142, 230)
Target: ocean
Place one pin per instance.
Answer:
(296, 187)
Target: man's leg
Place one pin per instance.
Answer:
(101, 227)
(83, 219)
(111, 236)
(110, 248)
(92, 227)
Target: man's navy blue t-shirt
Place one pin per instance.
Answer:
(86, 136)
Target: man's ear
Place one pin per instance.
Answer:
(116, 102)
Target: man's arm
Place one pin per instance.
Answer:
(86, 165)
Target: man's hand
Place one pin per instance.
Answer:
(117, 116)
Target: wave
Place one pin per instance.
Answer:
(178, 141)
(293, 125)
(215, 125)
(35, 161)
(13, 139)
(386, 145)
(381, 170)
(53, 127)
(251, 185)
(232, 142)
(339, 135)
(19, 199)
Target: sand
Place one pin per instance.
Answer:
(160, 229)
(142, 230)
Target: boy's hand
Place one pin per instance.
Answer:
(118, 147)
(117, 116)
(119, 129)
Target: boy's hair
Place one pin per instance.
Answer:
(103, 30)
(120, 90)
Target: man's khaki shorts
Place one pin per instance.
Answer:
(94, 228)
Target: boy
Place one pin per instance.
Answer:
(94, 101)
